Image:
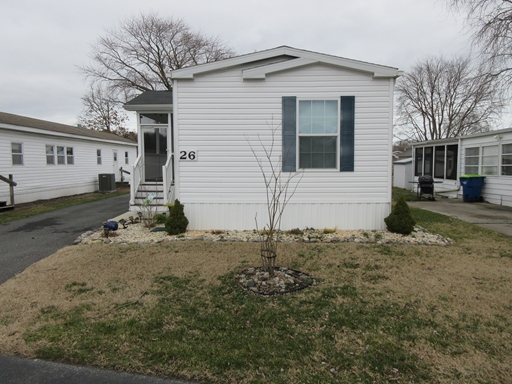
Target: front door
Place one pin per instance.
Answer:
(116, 165)
(155, 153)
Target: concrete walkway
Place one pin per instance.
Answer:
(494, 217)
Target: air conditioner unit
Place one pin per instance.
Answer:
(107, 182)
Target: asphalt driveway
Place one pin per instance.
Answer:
(29, 240)
(26, 241)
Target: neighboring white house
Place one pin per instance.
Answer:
(333, 118)
(488, 154)
(49, 160)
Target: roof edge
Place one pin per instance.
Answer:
(376, 69)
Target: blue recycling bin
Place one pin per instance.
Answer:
(471, 187)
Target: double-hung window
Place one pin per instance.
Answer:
(61, 155)
(506, 160)
(17, 153)
(318, 133)
(70, 156)
(482, 160)
(126, 160)
(471, 160)
(50, 155)
(98, 156)
(490, 160)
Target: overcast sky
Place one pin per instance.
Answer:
(43, 41)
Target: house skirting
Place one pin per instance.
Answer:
(242, 216)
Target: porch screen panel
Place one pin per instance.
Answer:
(439, 162)
(418, 162)
(451, 161)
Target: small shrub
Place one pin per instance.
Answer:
(176, 222)
(400, 219)
(295, 231)
(329, 230)
(160, 218)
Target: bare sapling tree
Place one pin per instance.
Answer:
(279, 188)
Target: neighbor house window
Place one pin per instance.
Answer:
(17, 153)
(126, 161)
(318, 133)
(471, 160)
(69, 155)
(61, 155)
(490, 161)
(50, 155)
(506, 160)
(98, 156)
(439, 161)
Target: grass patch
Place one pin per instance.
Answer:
(378, 313)
(407, 194)
(22, 211)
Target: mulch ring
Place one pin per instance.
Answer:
(256, 280)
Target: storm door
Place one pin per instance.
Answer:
(155, 153)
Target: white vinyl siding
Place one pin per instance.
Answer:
(219, 114)
(37, 180)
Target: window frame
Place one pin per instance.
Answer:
(126, 158)
(508, 154)
(496, 156)
(98, 157)
(335, 135)
(50, 155)
(70, 158)
(19, 155)
(481, 156)
(473, 156)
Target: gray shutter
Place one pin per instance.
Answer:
(289, 126)
(347, 113)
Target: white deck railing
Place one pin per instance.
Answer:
(135, 179)
(168, 180)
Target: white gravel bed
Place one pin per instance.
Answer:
(138, 233)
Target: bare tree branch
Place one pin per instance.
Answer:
(442, 98)
(137, 55)
(491, 24)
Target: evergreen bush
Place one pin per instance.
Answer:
(400, 219)
(176, 222)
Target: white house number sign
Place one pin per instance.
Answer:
(188, 155)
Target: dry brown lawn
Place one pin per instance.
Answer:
(470, 280)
